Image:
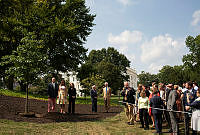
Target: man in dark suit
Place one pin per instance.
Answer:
(52, 94)
(166, 113)
(72, 98)
(171, 105)
(156, 102)
(93, 94)
(189, 94)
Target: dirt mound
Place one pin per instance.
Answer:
(10, 107)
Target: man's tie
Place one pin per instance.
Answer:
(106, 91)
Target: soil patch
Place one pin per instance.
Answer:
(10, 107)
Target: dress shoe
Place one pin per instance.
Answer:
(130, 123)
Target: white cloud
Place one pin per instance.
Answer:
(124, 40)
(196, 18)
(162, 50)
(127, 43)
(125, 37)
(154, 68)
(128, 2)
(125, 2)
(131, 57)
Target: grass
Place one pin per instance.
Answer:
(115, 125)
(79, 100)
(21, 94)
(110, 126)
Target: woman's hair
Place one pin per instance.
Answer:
(72, 84)
(162, 87)
(143, 94)
(176, 87)
(62, 81)
(140, 87)
(190, 84)
(155, 90)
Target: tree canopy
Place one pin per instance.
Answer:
(109, 64)
(62, 26)
(147, 78)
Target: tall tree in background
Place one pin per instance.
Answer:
(68, 24)
(11, 31)
(112, 74)
(109, 64)
(192, 60)
(146, 78)
(175, 75)
(96, 80)
(110, 55)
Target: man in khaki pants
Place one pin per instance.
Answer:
(106, 96)
(128, 97)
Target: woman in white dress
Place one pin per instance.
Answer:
(62, 96)
(195, 120)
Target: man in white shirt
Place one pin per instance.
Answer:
(184, 88)
(106, 96)
(195, 86)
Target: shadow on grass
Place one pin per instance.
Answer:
(77, 117)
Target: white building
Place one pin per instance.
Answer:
(71, 77)
(132, 77)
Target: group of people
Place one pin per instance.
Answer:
(60, 93)
(153, 103)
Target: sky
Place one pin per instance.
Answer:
(150, 33)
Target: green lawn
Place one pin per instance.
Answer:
(79, 100)
(115, 125)
(21, 94)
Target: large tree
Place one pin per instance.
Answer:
(109, 55)
(96, 80)
(147, 78)
(62, 26)
(109, 64)
(175, 74)
(112, 74)
(11, 12)
(192, 60)
(29, 61)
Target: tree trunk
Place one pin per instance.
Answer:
(9, 82)
(22, 86)
(26, 104)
